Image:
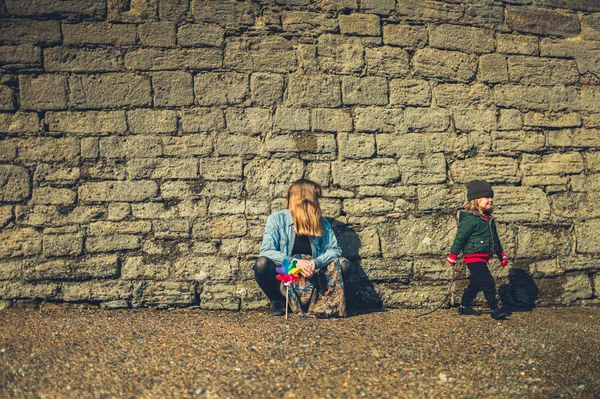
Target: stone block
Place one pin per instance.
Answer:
(493, 68)
(423, 170)
(590, 27)
(552, 120)
(377, 171)
(221, 168)
(252, 121)
(131, 147)
(133, 11)
(220, 88)
(20, 123)
(271, 178)
(304, 143)
(445, 65)
(427, 119)
(260, 54)
(20, 242)
(110, 191)
(541, 21)
(157, 34)
(314, 91)
(356, 145)
(584, 183)
(463, 96)
(200, 35)
(517, 44)
(7, 99)
(421, 144)
(514, 142)
(219, 228)
(30, 31)
(492, 169)
(469, 120)
(509, 119)
(338, 5)
(134, 268)
(364, 91)
(171, 229)
(193, 120)
(53, 196)
(43, 92)
(219, 297)
(438, 196)
(109, 90)
(461, 38)
(409, 92)
(592, 161)
(75, 9)
(188, 145)
(173, 10)
(204, 268)
(14, 183)
(116, 242)
(331, 120)
(99, 33)
(149, 59)
(266, 88)
(68, 59)
(49, 215)
(319, 172)
(582, 138)
(292, 119)
(111, 290)
(8, 150)
(529, 98)
(23, 56)
(552, 164)
(360, 24)
(19, 290)
(543, 242)
(484, 14)
(584, 53)
(429, 11)
(151, 121)
(404, 35)
(581, 5)
(376, 119)
(367, 206)
(432, 235)
(63, 245)
(239, 145)
(231, 206)
(166, 168)
(576, 287)
(163, 294)
(380, 7)
(340, 54)
(308, 23)
(521, 204)
(11, 269)
(387, 61)
(542, 71)
(172, 88)
(126, 227)
(574, 205)
(93, 123)
(229, 14)
(118, 211)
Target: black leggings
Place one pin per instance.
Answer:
(265, 275)
(481, 279)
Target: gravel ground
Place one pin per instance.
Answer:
(88, 353)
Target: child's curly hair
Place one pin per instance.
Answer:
(471, 206)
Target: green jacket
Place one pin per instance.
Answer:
(475, 235)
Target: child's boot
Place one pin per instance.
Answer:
(499, 313)
(277, 308)
(467, 310)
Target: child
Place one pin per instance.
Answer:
(478, 239)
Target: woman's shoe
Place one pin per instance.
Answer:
(467, 310)
(499, 314)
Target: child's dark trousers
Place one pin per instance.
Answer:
(481, 279)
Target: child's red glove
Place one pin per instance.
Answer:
(503, 259)
(452, 259)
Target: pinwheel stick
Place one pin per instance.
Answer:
(287, 291)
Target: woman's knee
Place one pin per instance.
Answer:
(345, 266)
(262, 265)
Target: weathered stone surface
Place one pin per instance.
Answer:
(475, 120)
(18, 31)
(219, 297)
(461, 38)
(314, 91)
(426, 170)
(230, 227)
(87, 123)
(371, 172)
(229, 14)
(66, 59)
(542, 21)
(418, 236)
(543, 242)
(20, 57)
(521, 204)
(429, 11)
(308, 23)
(463, 96)
(585, 54)
(205, 268)
(14, 183)
(493, 68)
(99, 33)
(364, 91)
(437, 196)
(582, 5)
(200, 35)
(239, 145)
(553, 164)
(221, 168)
(376, 119)
(449, 65)
(513, 142)
(427, 119)
(404, 35)
(382, 7)
(517, 44)
(52, 196)
(266, 88)
(356, 145)
(48, 149)
(19, 290)
(96, 291)
(43, 92)
(523, 97)
(387, 61)
(172, 88)
(109, 191)
(590, 27)
(134, 12)
(340, 54)
(109, 90)
(148, 121)
(187, 146)
(292, 119)
(116, 242)
(167, 168)
(420, 144)
(18, 242)
(576, 287)
(253, 121)
(94, 9)
(63, 244)
(360, 24)
(147, 59)
(269, 54)
(587, 236)
(494, 170)
(220, 88)
(194, 120)
(331, 120)
(410, 92)
(130, 146)
(7, 99)
(303, 143)
(542, 71)
(11, 269)
(157, 34)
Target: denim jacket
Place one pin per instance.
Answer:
(279, 237)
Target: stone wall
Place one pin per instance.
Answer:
(143, 143)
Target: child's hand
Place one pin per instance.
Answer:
(451, 259)
(504, 261)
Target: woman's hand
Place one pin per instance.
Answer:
(307, 266)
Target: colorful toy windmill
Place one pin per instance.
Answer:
(288, 273)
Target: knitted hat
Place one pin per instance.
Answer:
(479, 189)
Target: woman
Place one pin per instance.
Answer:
(301, 232)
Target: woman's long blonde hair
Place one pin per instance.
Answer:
(303, 202)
